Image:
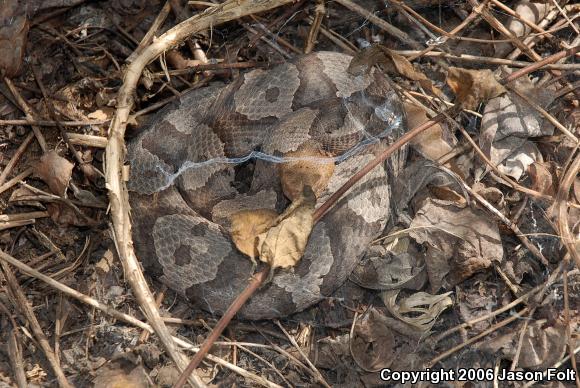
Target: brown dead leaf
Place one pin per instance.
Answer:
(393, 63)
(22, 196)
(542, 180)
(315, 172)
(247, 225)
(121, 375)
(431, 142)
(542, 345)
(372, 344)
(13, 37)
(473, 86)
(283, 245)
(65, 215)
(459, 241)
(55, 171)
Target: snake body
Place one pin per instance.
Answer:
(183, 179)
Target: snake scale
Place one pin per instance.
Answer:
(182, 190)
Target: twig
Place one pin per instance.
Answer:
(317, 373)
(27, 311)
(15, 158)
(27, 112)
(155, 26)
(319, 12)
(17, 179)
(254, 284)
(87, 140)
(377, 21)
(489, 60)
(561, 204)
(566, 17)
(15, 350)
(50, 123)
(493, 328)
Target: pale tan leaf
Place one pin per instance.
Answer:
(314, 169)
(431, 142)
(55, 171)
(283, 245)
(246, 225)
(473, 86)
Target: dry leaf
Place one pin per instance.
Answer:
(98, 115)
(459, 241)
(283, 245)
(419, 310)
(541, 177)
(393, 63)
(13, 37)
(507, 123)
(315, 172)
(382, 269)
(246, 225)
(542, 345)
(372, 345)
(55, 171)
(473, 86)
(121, 375)
(432, 143)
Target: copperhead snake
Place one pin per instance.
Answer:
(187, 161)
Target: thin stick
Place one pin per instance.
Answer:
(17, 179)
(15, 158)
(389, 28)
(254, 284)
(27, 311)
(23, 105)
(498, 325)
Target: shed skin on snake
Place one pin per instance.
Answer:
(180, 212)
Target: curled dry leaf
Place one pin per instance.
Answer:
(432, 143)
(393, 63)
(14, 27)
(55, 171)
(419, 310)
(314, 169)
(284, 243)
(247, 225)
(278, 240)
(473, 86)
